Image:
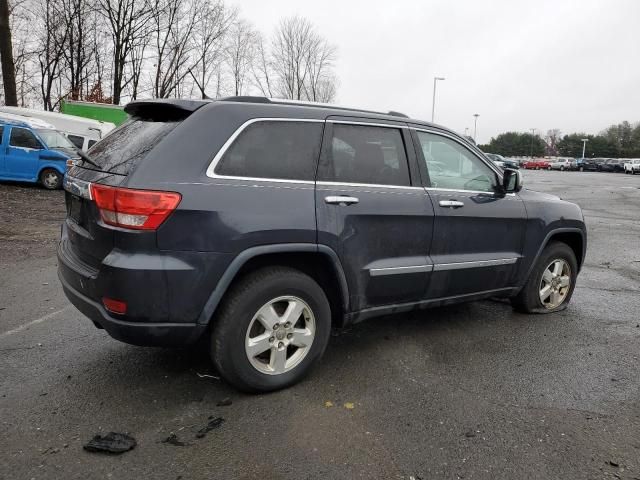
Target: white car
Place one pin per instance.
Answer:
(562, 164)
(632, 166)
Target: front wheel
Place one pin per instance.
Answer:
(271, 329)
(551, 283)
(51, 179)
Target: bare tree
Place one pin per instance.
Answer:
(6, 56)
(262, 69)
(240, 53)
(552, 138)
(208, 42)
(320, 84)
(52, 43)
(128, 20)
(173, 21)
(302, 61)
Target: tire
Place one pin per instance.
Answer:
(237, 322)
(528, 299)
(581, 169)
(50, 179)
(562, 169)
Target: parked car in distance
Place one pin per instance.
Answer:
(535, 164)
(613, 165)
(82, 132)
(32, 151)
(590, 164)
(358, 214)
(497, 160)
(562, 164)
(632, 166)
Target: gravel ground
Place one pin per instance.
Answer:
(467, 391)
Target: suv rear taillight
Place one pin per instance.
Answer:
(134, 209)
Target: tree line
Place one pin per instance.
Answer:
(113, 51)
(621, 140)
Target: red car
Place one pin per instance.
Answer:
(536, 164)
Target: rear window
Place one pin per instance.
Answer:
(76, 140)
(274, 149)
(125, 146)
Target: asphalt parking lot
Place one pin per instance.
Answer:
(468, 391)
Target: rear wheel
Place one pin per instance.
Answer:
(272, 328)
(551, 283)
(51, 179)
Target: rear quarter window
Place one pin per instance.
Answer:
(286, 150)
(124, 147)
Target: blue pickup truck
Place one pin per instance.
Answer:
(33, 151)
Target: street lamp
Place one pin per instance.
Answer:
(433, 103)
(584, 145)
(533, 134)
(475, 126)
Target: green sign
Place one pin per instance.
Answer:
(97, 111)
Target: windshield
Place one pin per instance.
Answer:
(54, 139)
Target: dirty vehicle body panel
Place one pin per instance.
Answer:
(383, 239)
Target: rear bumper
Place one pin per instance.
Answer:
(135, 333)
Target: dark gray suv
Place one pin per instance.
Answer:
(259, 224)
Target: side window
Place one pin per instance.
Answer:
(274, 149)
(1, 133)
(91, 143)
(362, 154)
(77, 140)
(21, 137)
(451, 165)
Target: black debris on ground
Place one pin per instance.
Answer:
(112, 442)
(174, 440)
(225, 402)
(212, 425)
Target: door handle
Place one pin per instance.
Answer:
(340, 200)
(451, 203)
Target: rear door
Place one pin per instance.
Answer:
(372, 211)
(22, 154)
(478, 233)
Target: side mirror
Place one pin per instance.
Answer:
(511, 181)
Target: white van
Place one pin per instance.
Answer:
(82, 132)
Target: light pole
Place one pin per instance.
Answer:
(475, 126)
(533, 134)
(584, 145)
(433, 103)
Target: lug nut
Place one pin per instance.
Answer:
(290, 336)
(280, 345)
(276, 326)
(271, 339)
(287, 325)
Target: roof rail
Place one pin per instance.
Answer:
(302, 103)
(393, 113)
(245, 98)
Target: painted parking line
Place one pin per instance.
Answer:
(44, 318)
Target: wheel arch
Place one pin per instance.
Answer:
(318, 261)
(50, 166)
(574, 237)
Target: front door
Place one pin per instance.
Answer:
(478, 232)
(372, 211)
(22, 154)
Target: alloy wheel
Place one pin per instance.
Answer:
(555, 283)
(280, 335)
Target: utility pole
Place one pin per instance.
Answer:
(6, 57)
(533, 134)
(433, 102)
(475, 127)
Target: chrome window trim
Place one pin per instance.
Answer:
(367, 185)
(214, 163)
(367, 124)
(429, 189)
(376, 272)
(440, 267)
(443, 134)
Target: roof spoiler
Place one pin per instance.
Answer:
(163, 109)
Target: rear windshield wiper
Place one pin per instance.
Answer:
(87, 158)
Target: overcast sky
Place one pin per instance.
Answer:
(572, 65)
